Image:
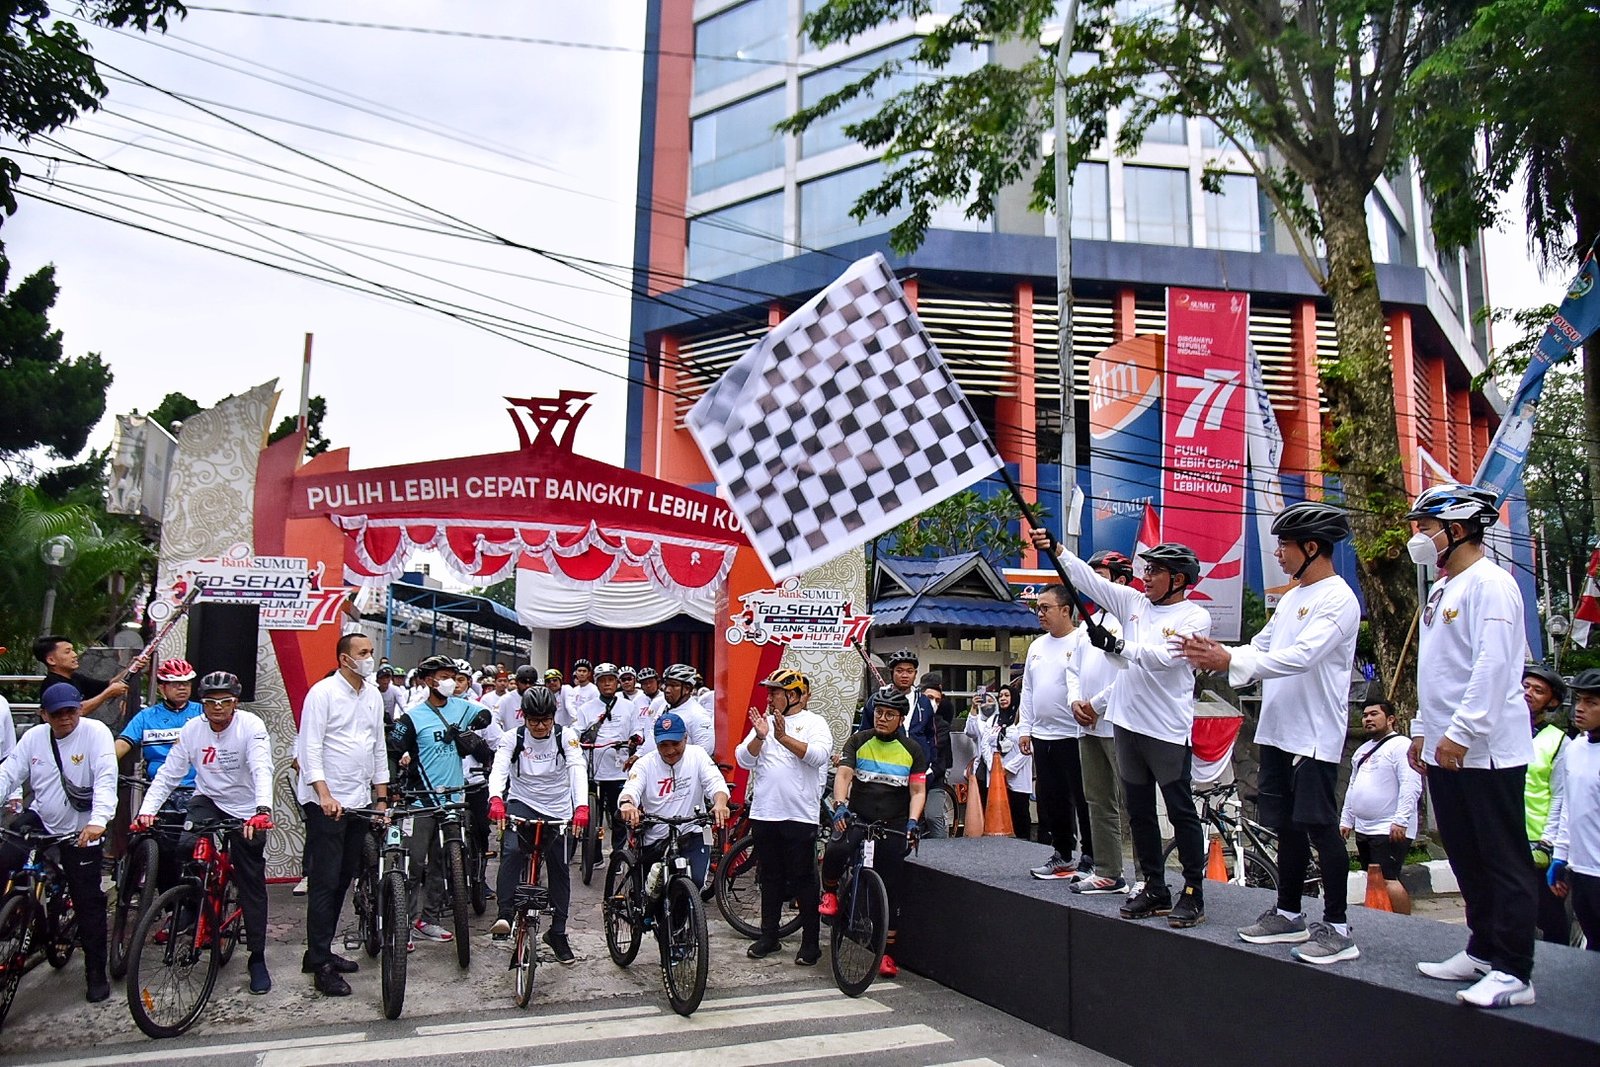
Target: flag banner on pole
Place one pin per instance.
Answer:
(1149, 536)
(838, 425)
(1266, 451)
(1575, 320)
(1587, 612)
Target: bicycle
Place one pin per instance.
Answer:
(37, 912)
(1251, 849)
(590, 844)
(133, 880)
(736, 879)
(532, 901)
(860, 931)
(665, 899)
(451, 834)
(194, 926)
(382, 906)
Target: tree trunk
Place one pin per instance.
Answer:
(1363, 445)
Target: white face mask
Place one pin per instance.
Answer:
(364, 667)
(1422, 550)
(446, 688)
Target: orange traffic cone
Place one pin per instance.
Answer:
(1216, 866)
(1377, 890)
(997, 817)
(973, 824)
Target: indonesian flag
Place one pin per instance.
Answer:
(1588, 604)
(1149, 537)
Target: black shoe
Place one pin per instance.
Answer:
(99, 989)
(260, 980)
(763, 948)
(1146, 904)
(330, 983)
(339, 963)
(1190, 911)
(559, 947)
(808, 957)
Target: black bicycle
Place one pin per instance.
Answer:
(860, 931)
(134, 877)
(1249, 849)
(452, 833)
(665, 899)
(37, 913)
(382, 908)
(532, 903)
(593, 837)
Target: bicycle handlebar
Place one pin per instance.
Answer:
(518, 822)
(33, 837)
(672, 820)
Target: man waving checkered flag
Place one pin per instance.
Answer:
(839, 424)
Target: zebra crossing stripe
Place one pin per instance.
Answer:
(855, 1046)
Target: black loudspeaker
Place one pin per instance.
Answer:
(222, 637)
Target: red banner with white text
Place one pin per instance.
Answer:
(1203, 400)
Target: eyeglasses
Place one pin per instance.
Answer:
(218, 703)
(1042, 608)
(1151, 572)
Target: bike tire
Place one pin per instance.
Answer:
(455, 865)
(157, 968)
(624, 928)
(525, 957)
(1260, 872)
(685, 946)
(16, 919)
(136, 886)
(480, 882)
(737, 887)
(232, 920)
(860, 931)
(395, 923)
(367, 907)
(590, 844)
(953, 820)
(60, 927)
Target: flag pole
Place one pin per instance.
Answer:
(1099, 635)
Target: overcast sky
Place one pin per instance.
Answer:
(534, 142)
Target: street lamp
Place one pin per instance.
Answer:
(1558, 627)
(57, 554)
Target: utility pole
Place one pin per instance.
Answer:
(1069, 422)
(305, 388)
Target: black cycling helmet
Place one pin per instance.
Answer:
(538, 703)
(1587, 681)
(1119, 565)
(1175, 557)
(1469, 505)
(219, 682)
(903, 655)
(1557, 684)
(527, 674)
(437, 663)
(1312, 520)
(582, 663)
(891, 697)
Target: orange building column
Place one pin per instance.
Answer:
(1460, 408)
(1124, 323)
(1016, 420)
(1403, 354)
(1438, 408)
(1302, 427)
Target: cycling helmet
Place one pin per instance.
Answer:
(1557, 684)
(436, 663)
(1312, 520)
(1175, 557)
(681, 673)
(646, 673)
(790, 681)
(582, 663)
(175, 670)
(538, 703)
(552, 673)
(220, 681)
(904, 655)
(605, 670)
(463, 667)
(1119, 565)
(527, 675)
(1472, 507)
(387, 669)
(891, 697)
(627, 672)
(1587, 681)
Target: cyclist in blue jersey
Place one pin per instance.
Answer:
(426, 737)
(153, 731)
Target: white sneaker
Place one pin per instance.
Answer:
(432, 931)
(1497, 989)
(301, 886)
(500, 930)
(1458, 968)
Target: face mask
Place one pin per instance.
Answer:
(446, 688)
(364, 667)
(1422, 550)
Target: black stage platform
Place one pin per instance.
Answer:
(1145, 993)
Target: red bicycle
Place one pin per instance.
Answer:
(185, 937)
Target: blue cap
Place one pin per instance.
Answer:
(59, 696)
(671, 727)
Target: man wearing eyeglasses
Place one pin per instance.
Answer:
(1048, 732)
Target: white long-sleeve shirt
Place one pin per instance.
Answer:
(616, 723)
(790, 785)
(1303, 657)
(1383, 788)
(1049, 686)
(1155, 696)
(233, 767)
(1097, 675)
(1469, 669)
(551, 781)
(88, 759)
(573, 698)
(1577, 832)
(985, 733)
(702, 730)
(341, 742)
(673, 791)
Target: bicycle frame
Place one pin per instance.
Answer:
(1241, 832)
(211, 868)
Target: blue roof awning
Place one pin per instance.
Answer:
(464, 607)
(954, 611)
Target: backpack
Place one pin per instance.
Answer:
(522, 735)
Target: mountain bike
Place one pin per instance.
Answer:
(532, 903)
(736, 879)
(186, 936)
(665, 899)
(451, 832)
(589, 845)
(1250, 850)
(382, 906)
(860, 931)
(134, 877)
(37, 913)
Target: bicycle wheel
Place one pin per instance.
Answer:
(366, 899)
(170, 977)
(1259, 871)
(136, 887)
(15, 919)
(60, 926)
(525, 956)
(738, 888)
(860, 931)
(395, 924)
(231, 924)
(954, 810)
(621, 910)
(685, 951)
(590, 844)
(455, 865)
(480, 882)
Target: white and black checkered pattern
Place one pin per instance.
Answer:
(840, 424)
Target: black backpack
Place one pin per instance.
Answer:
(522, 735)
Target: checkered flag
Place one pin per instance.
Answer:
(838, 425)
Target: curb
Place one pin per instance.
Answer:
(1431, 879)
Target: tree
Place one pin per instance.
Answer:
(965, 522)
(316, 444)
(50, 77)
(174, 408)
(1325, 89)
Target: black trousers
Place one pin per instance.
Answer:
(334, 846)
(1058, 785)
(1554, 926)
(888, 860)
(1586, 905)
(1021, 816)
(557, 876)
(1480, 816)
(478, 821)
(1297, 800)
(249, 871)
(1147, 764)
(609, 792)
(170, 864)
(787, 855)
(81, 866)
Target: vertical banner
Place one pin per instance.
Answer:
(1203, 498)
(1266, 489)
(1124, 439)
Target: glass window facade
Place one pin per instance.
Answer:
(1091, 201)
(736, 237)
(739, 42)
(1157, 201)
(1166, 129)
(736, 142)
(828, 133)
(825, 207)
(1233, 217)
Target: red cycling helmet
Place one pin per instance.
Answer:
(175, 670)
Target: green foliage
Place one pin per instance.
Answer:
(174, 407)
(965, 522)
(316, 443)
(503, 592)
